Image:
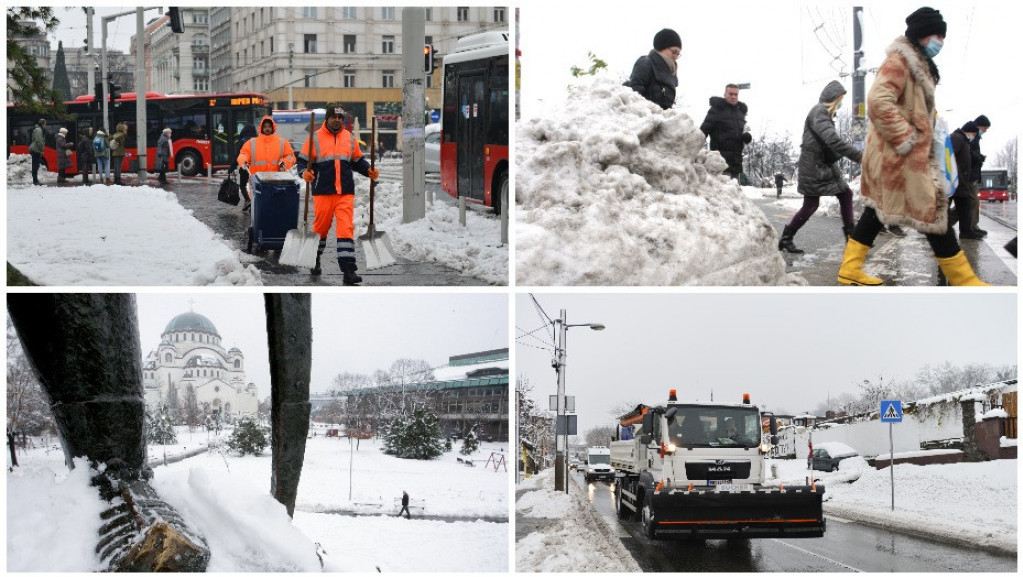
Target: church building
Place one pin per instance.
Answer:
(190, 354)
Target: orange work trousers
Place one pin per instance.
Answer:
(328, 206)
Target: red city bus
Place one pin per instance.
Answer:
(994, 185)
(204, 128)
(476, 120)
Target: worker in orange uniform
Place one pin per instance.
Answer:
(267, 152)
(336, 156)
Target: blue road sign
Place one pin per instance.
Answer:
(434, 116)
(891, 411)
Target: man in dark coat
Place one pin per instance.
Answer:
(64, 150)
(779, 181)
(86, 154)
(655, 75)
(404, 505)
(976, 162)
(164, 152)
(36, 148)
(725, 124)
(961, 140)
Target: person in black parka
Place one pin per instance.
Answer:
(655, 75)
(404, 505)
(976, 163)
(819, 175)
(725, 124)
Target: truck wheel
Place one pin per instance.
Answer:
(648, 522)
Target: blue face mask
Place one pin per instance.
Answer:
(933, 47)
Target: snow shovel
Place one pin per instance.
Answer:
(375, 244)
(300, 246)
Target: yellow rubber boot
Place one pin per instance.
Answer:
(851, 271)
(959, 272)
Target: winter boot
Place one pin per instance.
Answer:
(786, 243)
(316, 270)
(350, 277)
(958, 271)
(851, 271)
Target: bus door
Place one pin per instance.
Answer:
(470, 134)
(222, 147)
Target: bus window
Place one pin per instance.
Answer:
(498, 129)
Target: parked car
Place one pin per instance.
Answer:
(827, 456)
(432, 147)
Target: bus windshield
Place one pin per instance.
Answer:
(715, 426)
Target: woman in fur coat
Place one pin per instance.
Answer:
(902, 181)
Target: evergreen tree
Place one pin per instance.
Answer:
(193, 416)
(25, 80)
(247, 438)
(161, 428)
(173, 405)
(415, 436)
(61, 82)
(471, 442)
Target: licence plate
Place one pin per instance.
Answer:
(732, 488)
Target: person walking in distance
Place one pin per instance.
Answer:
(725, 124)
(961, 139)
(404, 505)
(779, 182)
(164, 152)
(328, 160)
(64, 150)
(117, 150)
(819, 174)
(903, 181)
(655, 75)
(86, 154)
(36, 147)
(976, 163)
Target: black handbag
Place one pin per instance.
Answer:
(229, 192)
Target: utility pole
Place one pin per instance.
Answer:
(413, 136)
(91, 74)
(561, 447)
(858, 127)
(141, 83)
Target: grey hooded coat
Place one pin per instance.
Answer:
(817, 176)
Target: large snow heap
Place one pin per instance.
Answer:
(612, 190)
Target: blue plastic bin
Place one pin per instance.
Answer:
(274, 209)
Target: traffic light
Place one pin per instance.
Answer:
(115, 89)
(177, 23)
(428, 58)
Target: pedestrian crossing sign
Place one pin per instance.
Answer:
(891, 411)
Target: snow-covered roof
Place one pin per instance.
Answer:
(836, 449)
(204, 361)
(966, 393)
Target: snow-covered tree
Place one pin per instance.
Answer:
(28, 410)
(599, 436)
(247, 438)
(193, 416)
(161, 428)
(471, 443)
(414, 435)
(173, 404)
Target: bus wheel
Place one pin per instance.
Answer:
(189, 163)
(502, 187)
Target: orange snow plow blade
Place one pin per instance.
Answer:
(791, 512)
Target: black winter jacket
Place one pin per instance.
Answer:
(726, 126)
(976, 160)
(961, 146)
(822, 147)
(653, 78)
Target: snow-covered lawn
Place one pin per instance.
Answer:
(612, 190)
(141, 236)
(53, 516)
(969, 503)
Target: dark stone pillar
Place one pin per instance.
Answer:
(85, 350)
(972, 452)
(290, 337)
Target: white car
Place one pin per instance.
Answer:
(432, 147)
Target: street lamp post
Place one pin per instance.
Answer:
(560, 465)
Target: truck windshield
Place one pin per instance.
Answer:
(600, 459)
(709, 426)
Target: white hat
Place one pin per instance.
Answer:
(98, 132)
(62, 130)
(167, 130)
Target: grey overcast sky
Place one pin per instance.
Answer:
(354, 332)
(784, 49)
(789, 351)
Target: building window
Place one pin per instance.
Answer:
(463, 13)
(309, 12)
(309, 76)
(310, 43)
(271, 45)
(168, 358)
(387, 13)
(387, 46)
(499, 15)
(388, 79)
(199, 17)
(349, 13)
(429, 14)
(237, 364)
(349, 81)
(349, 43)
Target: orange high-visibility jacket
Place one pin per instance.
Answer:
(265, 152)
(337, 157)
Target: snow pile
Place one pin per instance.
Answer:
(578, 541)
(970, 503)
(115, 235)
(474, 249)
(611, 190)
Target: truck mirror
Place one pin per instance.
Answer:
(670, 414)
(646, 439)
(774, 427)
(648, 422)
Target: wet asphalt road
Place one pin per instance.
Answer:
(845, 547)
(906, 261)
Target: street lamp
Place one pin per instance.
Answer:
(560, 468)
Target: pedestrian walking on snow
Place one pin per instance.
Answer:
(404, 506)
(64, 150)
(36, 147)
(779, 181)
(725, 124)
(819, 174)
(328, 161)
(903, 180)
(655, 75)
(164, 152)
